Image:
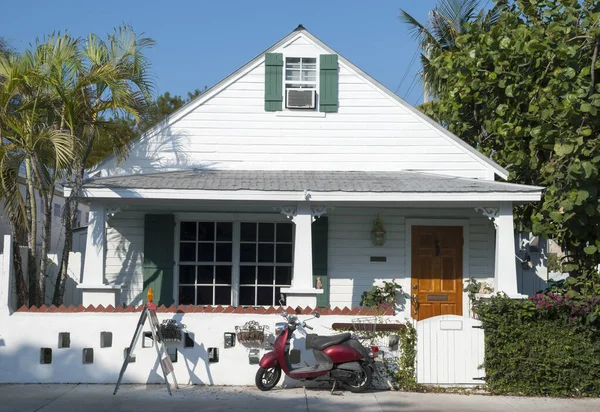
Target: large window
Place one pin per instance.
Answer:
(208, 269)
(205, 263)
(265, 262)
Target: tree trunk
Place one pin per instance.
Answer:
(69, 214)
(46, 198)
(30, 208)
(21, 285)
(61, 277)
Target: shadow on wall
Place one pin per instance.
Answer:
(162, 152)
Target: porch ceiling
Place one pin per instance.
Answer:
(322, 185)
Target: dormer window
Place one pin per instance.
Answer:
(300, 82)
(291, 83)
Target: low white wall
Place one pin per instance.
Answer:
(23, 334)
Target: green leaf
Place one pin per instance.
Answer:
(586, 107)
(590, 250)
(509, 90)
(563, 149)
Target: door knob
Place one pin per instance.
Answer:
(415, 286)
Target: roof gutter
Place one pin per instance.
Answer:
(296, 196)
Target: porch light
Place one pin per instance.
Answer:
(378, 232)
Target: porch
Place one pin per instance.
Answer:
(266, 249)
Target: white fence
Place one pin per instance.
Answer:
(450, 351)
(72, 295)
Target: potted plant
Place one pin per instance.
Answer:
(170, 330)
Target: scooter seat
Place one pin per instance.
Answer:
(322, 342)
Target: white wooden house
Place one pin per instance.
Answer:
(298, 174)
(271, 181)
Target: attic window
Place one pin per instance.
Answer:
(300, 82)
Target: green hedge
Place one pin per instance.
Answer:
(541, 346)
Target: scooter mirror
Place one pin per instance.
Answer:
(316, 314)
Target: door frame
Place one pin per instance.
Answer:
(464, 223)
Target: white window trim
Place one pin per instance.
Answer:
(286, 112)
(236, 219)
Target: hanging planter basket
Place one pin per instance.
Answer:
(251, 332)
(170, 330)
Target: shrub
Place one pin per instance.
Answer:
(547, 345)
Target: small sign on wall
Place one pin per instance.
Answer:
(378, 258)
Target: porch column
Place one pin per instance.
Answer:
(505, 267)
(302, 293)
(94, 290)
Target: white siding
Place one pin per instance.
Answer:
(350, 270)
(232, 130)
(125, 255)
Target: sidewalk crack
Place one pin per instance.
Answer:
(58, 397)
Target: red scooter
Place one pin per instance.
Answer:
(339, 358)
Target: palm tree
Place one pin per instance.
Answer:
(109, 79)
(448, 20)
(33, 141)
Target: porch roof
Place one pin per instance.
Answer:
(325, 183)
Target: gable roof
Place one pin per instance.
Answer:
(301, 31)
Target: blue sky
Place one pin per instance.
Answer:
(200, 42)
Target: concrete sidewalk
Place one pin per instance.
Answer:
(92, 398)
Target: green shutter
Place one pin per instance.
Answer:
(319, 256)
(328, 90)
(159, 243)
(273, 82)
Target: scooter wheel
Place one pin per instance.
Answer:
(267, 378)
(362, 381)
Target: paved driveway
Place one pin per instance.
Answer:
(92, 398)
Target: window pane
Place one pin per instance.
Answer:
(205, 274)
(204, 295)
(188, 231)
(283, 275)
(187, 252)
(246, 295)
(266, 232)
(284, 232)
(292, 61)
(223, 275)
(264, 296)
(284, 253)
(248, 232)
(222, 295)
(224, 252)
(309, 76)
(247, 275)
(224, 231)
(248, 252)
(266, 253)
(206, 252)
(187, 274)
(206, 231)
(265, 275)
(309, 60)
(292, 75)
(186, 295)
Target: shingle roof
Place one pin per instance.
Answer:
(315, 181)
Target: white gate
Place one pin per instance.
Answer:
(450, 350)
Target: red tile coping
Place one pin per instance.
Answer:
(246, 310)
